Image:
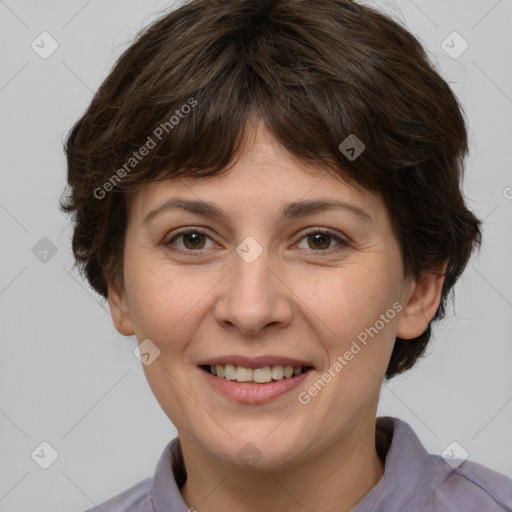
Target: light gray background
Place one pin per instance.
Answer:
(68, 378)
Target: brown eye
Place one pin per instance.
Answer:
(321, 240)
(192, 239)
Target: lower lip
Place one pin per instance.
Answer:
(254, 393)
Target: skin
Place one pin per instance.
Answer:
(300, 298)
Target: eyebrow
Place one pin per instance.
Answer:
(291, 210)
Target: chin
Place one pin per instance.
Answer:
(259, 453)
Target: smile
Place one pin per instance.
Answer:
(262, 375)
(254, 380)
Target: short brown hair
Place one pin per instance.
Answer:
(314, 72)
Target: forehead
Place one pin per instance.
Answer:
(263, 178)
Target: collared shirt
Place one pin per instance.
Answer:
(413, 481)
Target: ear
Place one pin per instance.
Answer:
(119, 309)
(421, 302)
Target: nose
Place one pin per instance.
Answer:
(254, 298)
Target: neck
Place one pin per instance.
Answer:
(335, 480)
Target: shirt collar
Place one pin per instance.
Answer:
(408, 469)
(169, 474)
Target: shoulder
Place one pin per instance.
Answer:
(416, 480)
(472, 486)
(135, 499)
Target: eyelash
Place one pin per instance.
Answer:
(311, 231)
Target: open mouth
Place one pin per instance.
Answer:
(262, 375)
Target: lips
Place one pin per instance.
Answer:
(261, 370)
(254, 380)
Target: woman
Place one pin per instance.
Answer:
(268, 195)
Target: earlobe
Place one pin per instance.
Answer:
(421, 303)
(119, 309)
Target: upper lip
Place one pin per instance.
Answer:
(255, 362)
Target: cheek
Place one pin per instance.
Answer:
(162, 299)
(348, 300)
(353, 316)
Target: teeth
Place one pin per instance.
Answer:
(288, 371)
(243, 374)
(229, 372)
(219, 370)
(277, 372)
(260, 375)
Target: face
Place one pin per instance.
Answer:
(249, 291)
